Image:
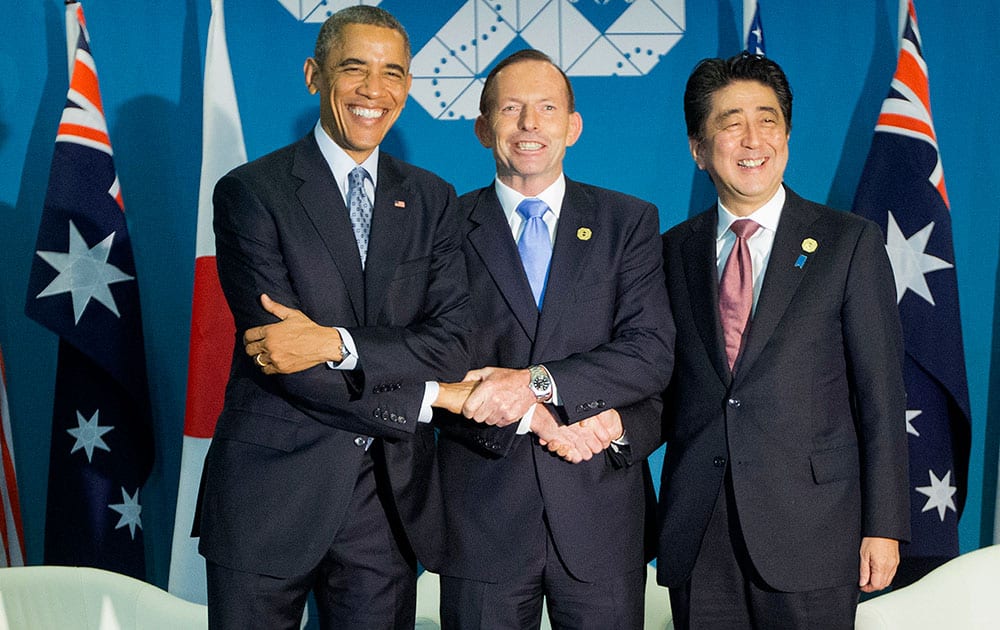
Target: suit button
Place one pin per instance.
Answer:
(402, 419)
(719, 462)
(393, 417)
(377, 412)
(602, 404)
(734, 403)
(360, 441)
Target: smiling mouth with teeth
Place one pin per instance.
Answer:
(367, 113)
(751, 163)
(529, 146)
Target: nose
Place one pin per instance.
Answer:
(529, 119)
(752, 136)
(371, 86)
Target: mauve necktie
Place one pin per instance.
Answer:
(535, 246)
(736, 289)
(360, 208)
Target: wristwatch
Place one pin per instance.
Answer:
(540, 383)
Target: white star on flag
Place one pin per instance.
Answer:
(939, 494)
(911, 414)
(88, 435)
(130, 511)
(910, 262)
(84, 272)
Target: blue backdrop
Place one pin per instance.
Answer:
(150, 56)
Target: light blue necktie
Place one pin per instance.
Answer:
(360, 208)
(535, 246)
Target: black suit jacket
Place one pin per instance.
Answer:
(287, 449)
(812, 425)
(605, 335)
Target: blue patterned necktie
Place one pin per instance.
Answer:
(535, 246)
(360, 208)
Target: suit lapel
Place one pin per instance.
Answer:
(570, 256)
(702, 275)
(390, 223)
(781, 279)
(491, 239)
(321, 200)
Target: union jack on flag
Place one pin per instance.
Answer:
(902, 188)
(83, 288)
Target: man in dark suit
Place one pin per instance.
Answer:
(565, 339)
(322, 480)
(784, 486)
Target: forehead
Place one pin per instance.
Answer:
(531, 79)
(369, 43)
(744, 97)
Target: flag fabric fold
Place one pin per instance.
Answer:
(11, 531)
(83, 288)
(212, 327)
(902, 188)
(755, 28)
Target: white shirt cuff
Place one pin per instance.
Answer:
(431, 390)
(350, 362)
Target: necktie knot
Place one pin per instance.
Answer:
(744, 228)
(532, 208)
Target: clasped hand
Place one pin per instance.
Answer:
(293, 344)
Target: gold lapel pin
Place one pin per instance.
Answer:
(809, 245)
(584, 234)
(399, 203)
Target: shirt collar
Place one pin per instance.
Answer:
(340, 163)
(767, 216)
(510, 198)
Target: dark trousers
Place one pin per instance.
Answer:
(516, 604)
(366, 580)
(725, 592)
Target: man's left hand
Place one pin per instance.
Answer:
(879, 560)
(294, 344)
(502, 397)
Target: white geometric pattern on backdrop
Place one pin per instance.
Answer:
(448, 71)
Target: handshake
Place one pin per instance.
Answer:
(491, 395)
(501, 396)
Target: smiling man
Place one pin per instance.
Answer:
(571, 323)
(322, 480)
(784, 487)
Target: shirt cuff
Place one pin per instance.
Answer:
(524, 425)
(349, 362)
(431, 390)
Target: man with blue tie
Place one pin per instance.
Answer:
(572, 324)
(323, 480)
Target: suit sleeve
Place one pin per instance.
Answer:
(874, 346)
(250, 262)
(637, 360)
(435, 346)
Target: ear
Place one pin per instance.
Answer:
(311, 71)
(484, 131)
(695, 146)
(575, 128)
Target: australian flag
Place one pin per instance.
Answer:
(83, 288)
(755, 32)
(902, 188)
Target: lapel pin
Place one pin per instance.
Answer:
(809, 245)
(399, 203)
(800, 262)
(584, 234)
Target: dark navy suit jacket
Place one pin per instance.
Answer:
(287, 449)
(811, 426)
(605, 335)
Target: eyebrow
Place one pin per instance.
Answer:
(352, 61)
(737, 110)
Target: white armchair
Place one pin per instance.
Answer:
(70, 598)
(961, 594)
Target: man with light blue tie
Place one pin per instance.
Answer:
(572, 325)
(320, 476)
